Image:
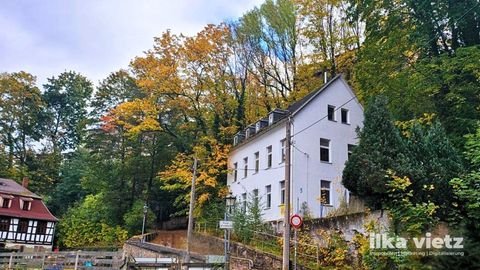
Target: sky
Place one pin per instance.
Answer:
(97, 37)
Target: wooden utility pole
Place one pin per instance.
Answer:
(190, 211)
(286, 219)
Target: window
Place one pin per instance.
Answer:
(255, 195)
(269, 156)
(282, 145)
(282, 192)
(41, 227)
(325, 192)
(344, 113)
(331, 112)
(324, 150)
(350, 148)
(235, 171)
(270, 119)
(4, 224)
(244, 202)
(6, 203)
(245, 167)
(22, 226)
(268, 191)
(257, 161)
(25, 203)
(26, 206)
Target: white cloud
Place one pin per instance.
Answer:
(97, 37)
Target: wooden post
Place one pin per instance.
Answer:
(43, 261)
(76, 261)
(286, 218)
(190, 211)
(10, 261)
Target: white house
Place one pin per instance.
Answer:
(323, 133)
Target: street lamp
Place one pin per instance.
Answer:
(230, 202)
(145, 210)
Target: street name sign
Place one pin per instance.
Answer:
(226, 224)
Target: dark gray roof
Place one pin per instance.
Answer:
(293, 108)
(9, 186)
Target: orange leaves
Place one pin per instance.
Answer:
(134, 117)
(211, 171)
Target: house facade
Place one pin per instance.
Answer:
(26, 224)
(323, 132)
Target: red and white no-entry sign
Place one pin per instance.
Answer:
(296, 221)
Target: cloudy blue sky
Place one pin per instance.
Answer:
(96, 37)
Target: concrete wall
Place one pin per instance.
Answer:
(349, 224)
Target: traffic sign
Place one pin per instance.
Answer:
(226, 224)
(296, 221)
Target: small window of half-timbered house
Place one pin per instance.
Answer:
(6, 201)
(26, 204)
(4, 224)
(22, 226)
(41, 227)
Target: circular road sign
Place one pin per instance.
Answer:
(296, 221)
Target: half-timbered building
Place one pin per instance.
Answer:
(26, 224)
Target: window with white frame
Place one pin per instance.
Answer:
(282, 153)
(324, 150)
(235, 171)
(26, 203)
(325, 192)
(257, 161)
(244, 202)
(331, 112)
(245, 167)
(344, 116)
(269, 156)
(268, 191)
(282, 192)
(255, 195)
(6, 200)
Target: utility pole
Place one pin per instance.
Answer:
(286, 219)
(190, 211)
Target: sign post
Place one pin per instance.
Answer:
(296, 222)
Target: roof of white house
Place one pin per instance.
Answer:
(293, 109)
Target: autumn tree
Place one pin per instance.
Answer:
(21, 106)
(334, 35)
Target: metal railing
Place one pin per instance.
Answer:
(307, 254)
(62, 260)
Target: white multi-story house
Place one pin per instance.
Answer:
(323, 134)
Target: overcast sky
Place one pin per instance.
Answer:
(96, 37)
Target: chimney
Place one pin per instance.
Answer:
(325, 77)
(25, 182)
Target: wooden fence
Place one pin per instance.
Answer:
(75, 260)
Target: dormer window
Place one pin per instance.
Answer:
(250, 131)
(6, 201)
(270, 119)
(26, 204)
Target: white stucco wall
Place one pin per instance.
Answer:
(307, 169)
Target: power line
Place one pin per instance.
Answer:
(314, 123)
